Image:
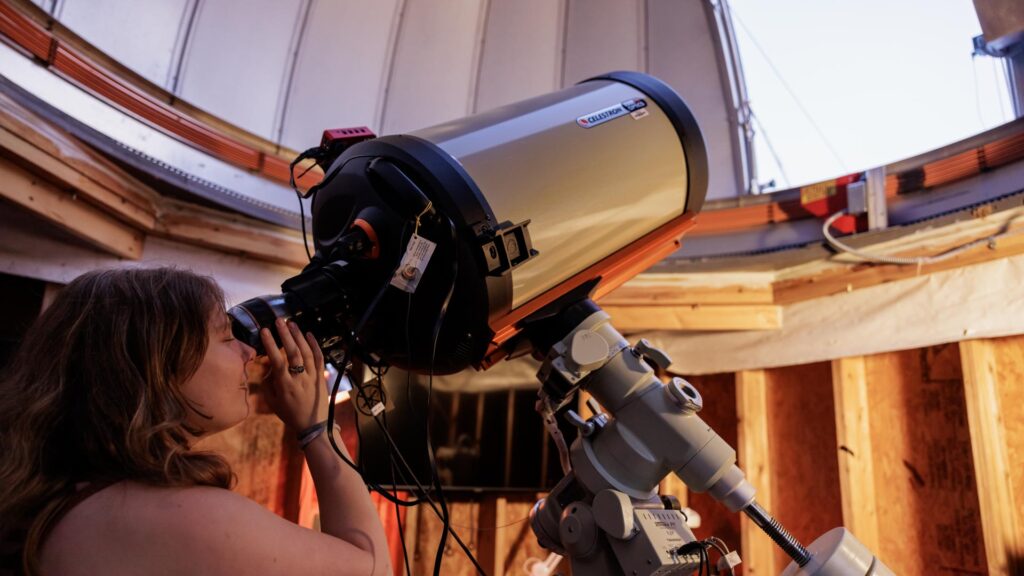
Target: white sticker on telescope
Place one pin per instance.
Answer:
(611, 112)
(414, 262)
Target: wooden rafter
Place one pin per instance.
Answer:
(69, 213)
(76, 188)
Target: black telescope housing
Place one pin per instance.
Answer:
(393, 186)
(623, 145)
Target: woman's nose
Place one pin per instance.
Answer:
(248, 352)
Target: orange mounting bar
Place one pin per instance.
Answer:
(613, 271)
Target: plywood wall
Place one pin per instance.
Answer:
(802, 452)
(923, 471)
(919, 452)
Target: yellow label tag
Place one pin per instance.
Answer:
(816, 192)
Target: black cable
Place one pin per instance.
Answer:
(334, 444)
(398, 511)
(430, 501)
(443, 513)
(430, 390)
(318, 154)
(310, 153)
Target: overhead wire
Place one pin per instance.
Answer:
(771, 149)
(792, 93)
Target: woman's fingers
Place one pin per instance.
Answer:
(318, 355)
(303, 345)
(276, 360)
(291, 350)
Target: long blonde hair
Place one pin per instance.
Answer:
(94, 395)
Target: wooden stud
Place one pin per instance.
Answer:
(992, 467)
(68, 213)
(494, 544)
(453, 418)
(230, 234)
(671, 485)
(696, 317)
(853, 449)
(510, 426)
(751, 412)
(50, 292)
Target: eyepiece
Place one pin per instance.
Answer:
(249, 317)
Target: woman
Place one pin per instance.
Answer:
(99, 411)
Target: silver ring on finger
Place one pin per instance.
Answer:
(296, 369)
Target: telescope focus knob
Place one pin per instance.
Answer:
(657, 357)
(588, 350)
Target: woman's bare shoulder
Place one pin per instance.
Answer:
(132, 528)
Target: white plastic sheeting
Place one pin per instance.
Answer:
(980, 301)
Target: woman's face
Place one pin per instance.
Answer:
(217, 391)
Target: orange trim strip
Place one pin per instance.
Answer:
(613, 271)
(87, 75)
(25, 33)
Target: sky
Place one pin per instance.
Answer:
(853, 84)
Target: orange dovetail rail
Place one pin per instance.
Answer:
(613, 272)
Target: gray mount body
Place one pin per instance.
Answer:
(606, 514)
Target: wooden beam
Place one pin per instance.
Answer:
(67, 212)
(751, 412)
(679, 289)
(853, 449)
(231, 234)
(75, 164)
(1004, 546)
(696, 317)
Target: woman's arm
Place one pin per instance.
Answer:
(301, 401)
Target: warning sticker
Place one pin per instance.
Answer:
(414, 262)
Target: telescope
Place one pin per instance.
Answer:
(490, 237)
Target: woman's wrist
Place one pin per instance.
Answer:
(307, 435)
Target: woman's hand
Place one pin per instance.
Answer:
(299, 399)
